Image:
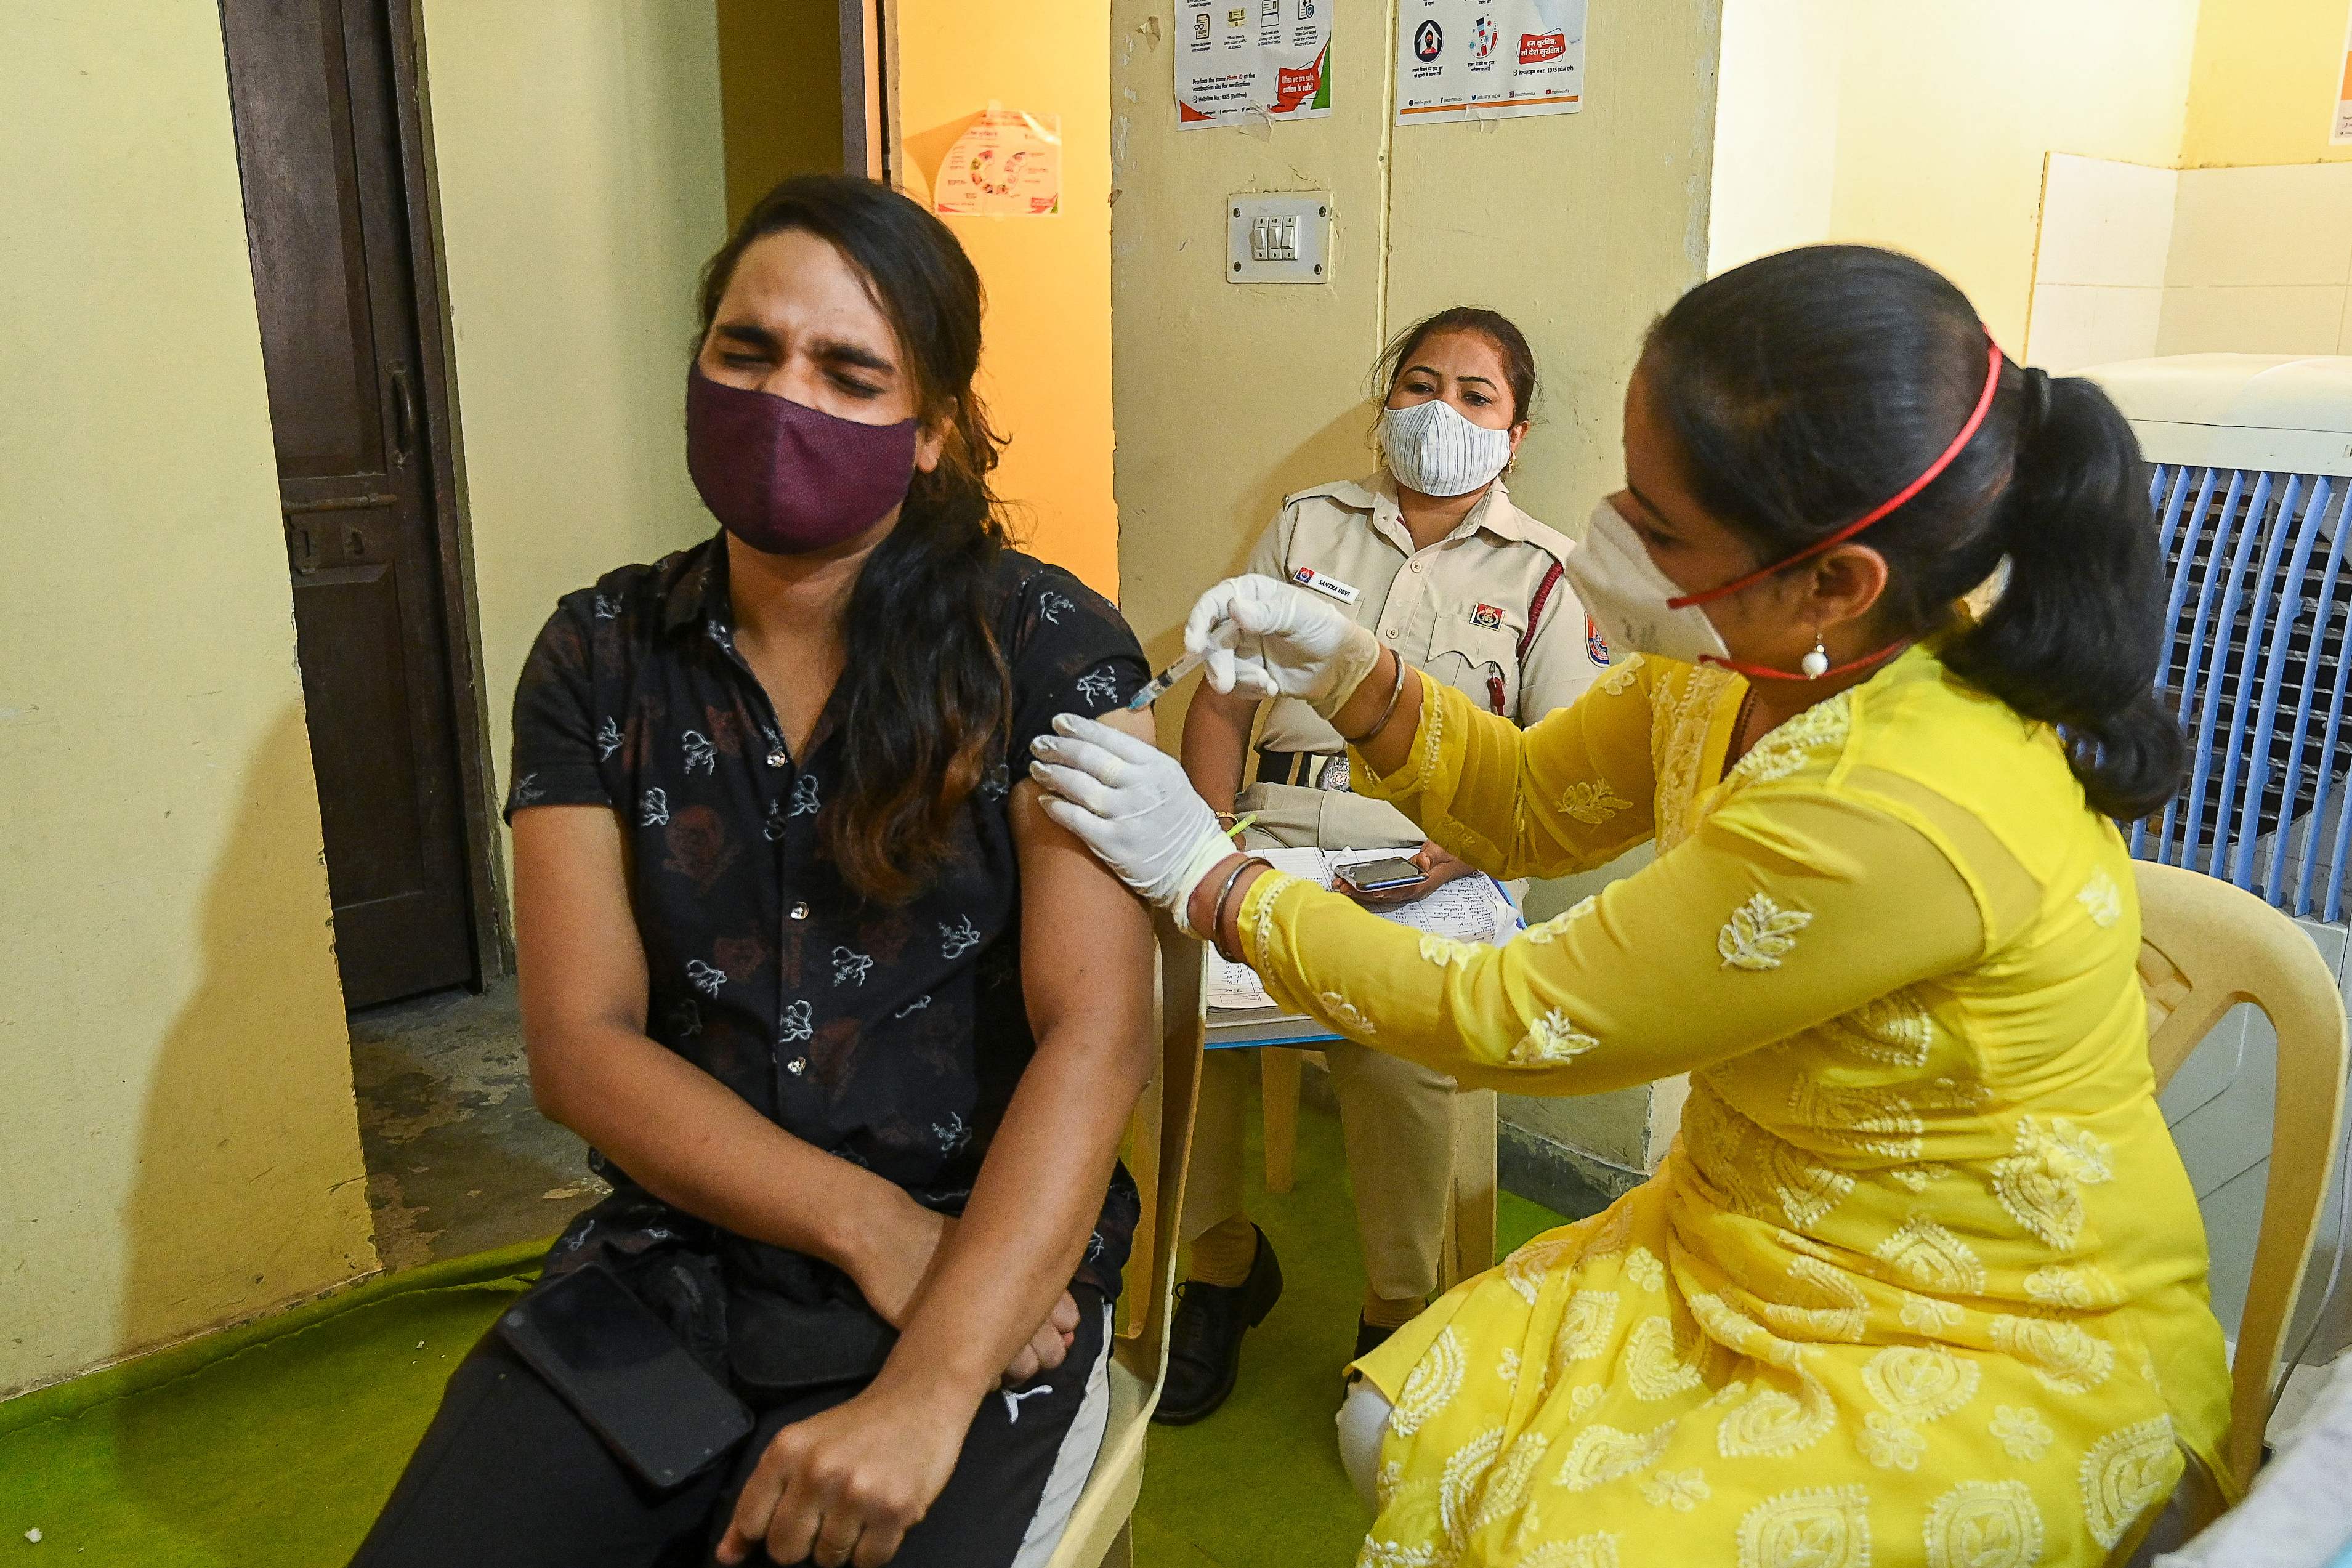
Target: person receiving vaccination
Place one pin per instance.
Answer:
(853, 1028)
(1922, 1279)
(1430, 558)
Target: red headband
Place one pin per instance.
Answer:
(1976, 420)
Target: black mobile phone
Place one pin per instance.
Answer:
(623, 1373)
(1378, 876)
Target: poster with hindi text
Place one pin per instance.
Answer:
(1488, 59)
(1245, 61)
(1005, 165)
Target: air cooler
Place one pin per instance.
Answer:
(2250, 470)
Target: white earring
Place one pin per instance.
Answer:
(1815, 664)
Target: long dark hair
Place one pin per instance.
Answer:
(920, 726)
(1808, 386)
(1518, 359)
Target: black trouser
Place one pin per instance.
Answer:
(508, 1475)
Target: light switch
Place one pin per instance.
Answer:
(1278, 239)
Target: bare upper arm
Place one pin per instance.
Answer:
(1085, 940)
(576, 938)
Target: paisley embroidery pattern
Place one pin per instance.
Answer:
(1920, 1384)
(1603, 1453)
(1876, 1120)
(1654, 1367)
(1430, 1386)
(1622, 677)
(1773, 1423)
(1552, 1040)
(1596, 1551)
(1931, 1258)
(2061, 1356)
(1836, 1309)
(1807, 1193)
(1507, 1489)
(1759, 934)
(1822, 1527)
(1525, 1269)
(2041, 1184)
(1895, 1030)
(1985, 1524)
(1464, 1468)
(2124, 1473)
(1584, 1327)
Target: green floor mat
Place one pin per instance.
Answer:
(275, 1454)
(1259, 1482)
(273, 1446)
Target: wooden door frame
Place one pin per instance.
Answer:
(452, 522)
(871, 140)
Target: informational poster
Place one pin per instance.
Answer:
(2343, 135)
(1488, 59)
(1244, 61)
(1005, 165)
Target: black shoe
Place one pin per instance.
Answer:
(1369, 1338)
(1205, 1344)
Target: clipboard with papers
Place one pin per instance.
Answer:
(1241, 1013)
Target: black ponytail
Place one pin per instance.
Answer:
(1807, 387)
(2075, 636)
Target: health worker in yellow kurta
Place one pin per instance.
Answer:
(1922, 1280)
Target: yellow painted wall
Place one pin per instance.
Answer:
(1045, 368)
(1942, 117)
(2265, 84)
(779, 91)
(582, 187)
(178, 1146)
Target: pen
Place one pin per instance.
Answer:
(1158, 686)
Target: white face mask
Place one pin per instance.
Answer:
(1628, 597)
(1432, 448)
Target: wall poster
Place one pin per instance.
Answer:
(1241, 61)
(1488, 59)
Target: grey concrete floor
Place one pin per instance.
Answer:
(458, 1158)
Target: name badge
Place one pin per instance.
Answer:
(1323, 582)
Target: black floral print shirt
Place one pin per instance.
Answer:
(889, 1037)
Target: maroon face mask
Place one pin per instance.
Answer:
(783, 476)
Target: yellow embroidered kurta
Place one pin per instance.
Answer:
(1922, 1279)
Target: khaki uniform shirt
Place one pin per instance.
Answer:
(1458, 609)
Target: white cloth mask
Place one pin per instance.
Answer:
(1629, 598)
(1432, 448)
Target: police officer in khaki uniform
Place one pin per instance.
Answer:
(1432, 555)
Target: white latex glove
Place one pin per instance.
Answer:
(1268, 638)
(1131, 804)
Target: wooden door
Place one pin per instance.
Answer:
(319, 143)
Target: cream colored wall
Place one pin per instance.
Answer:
(178, 1146)
(1944, 115)
(582, 185)
(1045, 368)
(1581, 227)
(2266, 83)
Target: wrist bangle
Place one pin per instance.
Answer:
(1396, 690)
(1217, 910)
